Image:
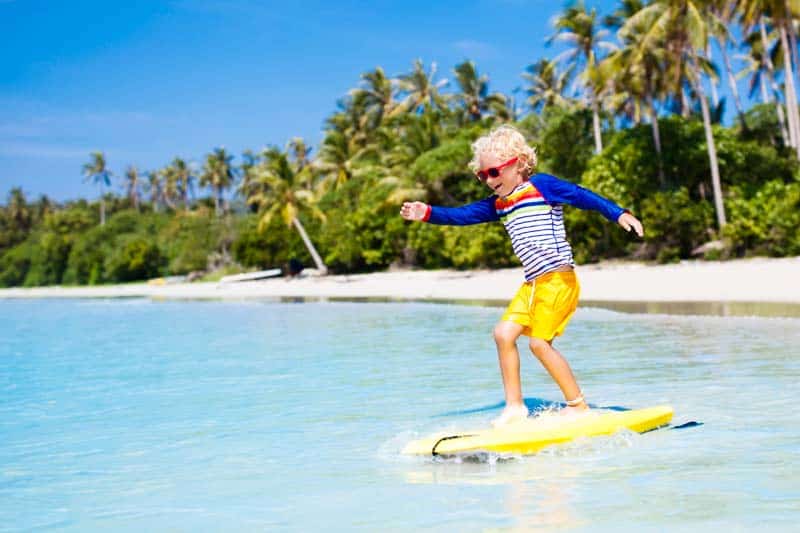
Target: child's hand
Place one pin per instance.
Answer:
(630, 222)
(413, 210)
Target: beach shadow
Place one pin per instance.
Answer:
(533, 405)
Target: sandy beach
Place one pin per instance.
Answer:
(759, 280)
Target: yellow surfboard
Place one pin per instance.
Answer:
(534, 433)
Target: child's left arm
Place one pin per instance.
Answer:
(560, 191)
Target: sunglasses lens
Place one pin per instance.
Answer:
(482, 176)
(493, 172)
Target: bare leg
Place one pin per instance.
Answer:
(506, 334)
(559, 370)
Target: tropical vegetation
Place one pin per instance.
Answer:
(631, 109)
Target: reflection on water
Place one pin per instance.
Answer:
(760, 309)
(743, 309)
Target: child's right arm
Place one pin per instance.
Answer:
(474, 213)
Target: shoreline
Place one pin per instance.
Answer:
(708, 287)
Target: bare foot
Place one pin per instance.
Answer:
(512, 413)
(577, 410)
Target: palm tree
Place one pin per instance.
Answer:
(218, 173)
(97, 172)
(638, 70)
(154, 185)
(248, 170)
(625, 10)
(546, 85)
(473, 92)
(758, 65)
(44, 206)
(681, 28)
(336, 158)
(348, 141)
(416, 134)
(132, 185)
(724, 11)
(755, 67)
(782, 14)
(280, 191)
(182, 179)
(18, 210)
(353, 119)
(579, 29)
(169, 186)
(378, 94)
(300, 152)
(421, 91)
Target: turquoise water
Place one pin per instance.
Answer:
(142, 415)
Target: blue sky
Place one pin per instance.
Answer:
(147, 81)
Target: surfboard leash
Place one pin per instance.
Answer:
(434, 453)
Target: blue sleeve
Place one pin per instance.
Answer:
(557, 191)
(474, 213)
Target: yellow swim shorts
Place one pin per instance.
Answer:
(545, 306)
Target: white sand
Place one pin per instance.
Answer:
(747, 280)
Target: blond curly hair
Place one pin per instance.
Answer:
(505, 142)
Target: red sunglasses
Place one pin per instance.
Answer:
(484, 175)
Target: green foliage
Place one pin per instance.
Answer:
(678, 213)
(388, 157)
(766, 223)
(443, 170)
(363, 231)
(565, 142)
(187, 239)
(762, 126)
(134, 258)
(85, 264)
(14, 265)
(674, 225)
(270, 248)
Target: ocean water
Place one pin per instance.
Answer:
(133, 415)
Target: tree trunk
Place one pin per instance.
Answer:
(732, 83)
(102, 211)
(310, 246)
(712, 156)
(657, 141)
(712, 81)
(791, 95)
(598, 139)
(763, 86)
(684, 104)
(787, 137)
(792, 40)
(216, 201)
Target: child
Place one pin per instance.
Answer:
(530, 207)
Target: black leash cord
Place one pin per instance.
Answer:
(433, 450)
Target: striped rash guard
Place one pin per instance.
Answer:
(534, 219)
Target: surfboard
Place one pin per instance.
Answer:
(252, 276)
(534, 433)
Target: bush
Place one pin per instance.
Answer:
(188, 239)
(134, 258)
(87, 257)
(363, 229)
(270, 248)
(674, 224)
(767, 223)
(14, 265)
(565, 142)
